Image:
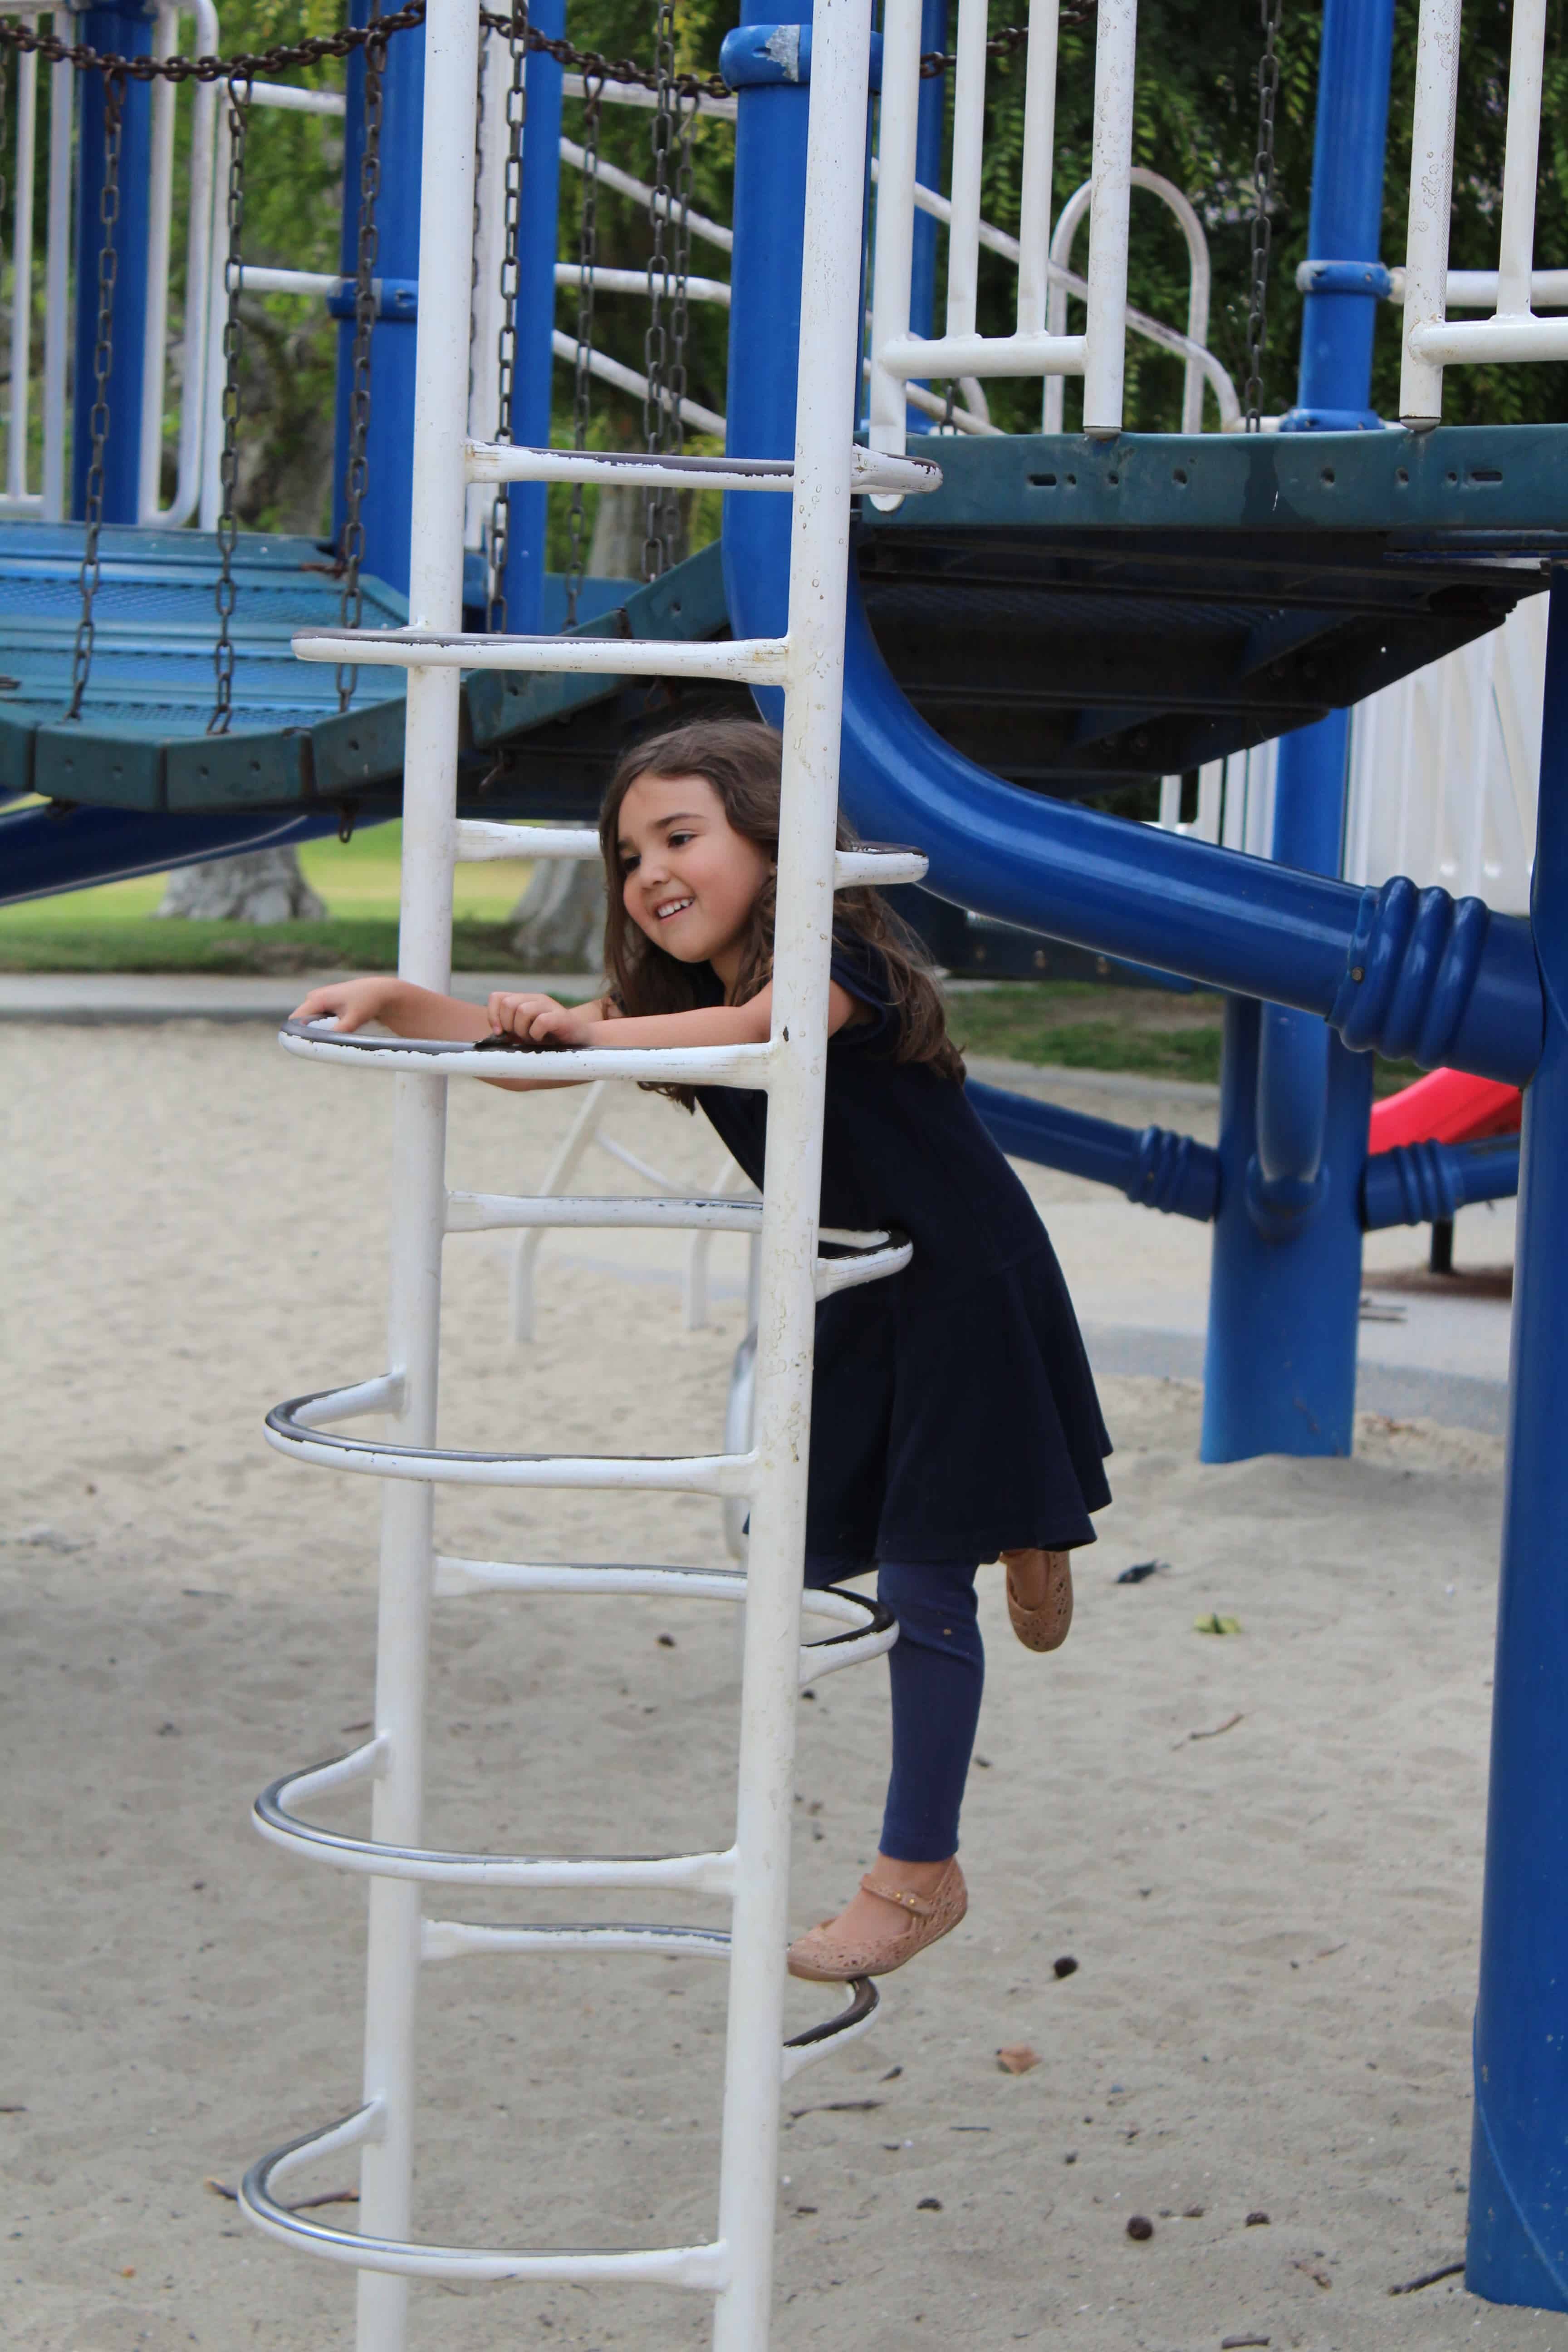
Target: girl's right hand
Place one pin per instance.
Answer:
(350, 1002)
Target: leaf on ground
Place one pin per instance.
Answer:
(1017, 2058)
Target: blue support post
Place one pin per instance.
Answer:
(1518, 2248)
(527, 507)
(1281, 1359)
(387, 511)
(126, 31)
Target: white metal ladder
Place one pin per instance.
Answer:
(752, 1871)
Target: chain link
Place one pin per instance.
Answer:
(102, 366)
(224, 593)
(657, 531)
(517, 31)
(356, 470)
(1269, 12)
(582, 380)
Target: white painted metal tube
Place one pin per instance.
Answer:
(22, 274)
(892, 275)
(1477, 290)
(487, 1212)
(455, 1576)
(364, 1763)
(610, 175)
(1521, 157)
(621, 93)
(480, 839)
(826, 390)
(293, 98)
(432, 1465)
(968, 147)
(160, 225)
(1105, 338)
(318, 284)
(57, 279)
(634, 281)
(751, 661)
(208, 503)
(833, 1274)
(460, 1939)
(1482, 341)
(1035, 186)
(196, 357)
(1431, 202)
(419, 1139)
(492, 461)
(1200, 362)
(626, 379)
(858, 2017)
(393, 2261)
(985, 355)
(715, 1066)
(383, 1394)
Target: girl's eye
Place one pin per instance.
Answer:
(678, 839)
(628, 866)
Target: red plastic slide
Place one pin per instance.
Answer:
(1446, 1107)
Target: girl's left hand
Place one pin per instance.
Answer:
(540, 1017)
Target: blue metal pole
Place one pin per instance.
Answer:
(387, 511)
(528, 508)
(1280, 1366)
(931, 125)
(1518, 2248)
(127, 31)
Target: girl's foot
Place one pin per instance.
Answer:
(902, 1907)
(1039, 1597)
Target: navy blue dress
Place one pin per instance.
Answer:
(954, 1411)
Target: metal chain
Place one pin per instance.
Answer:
(679, 313)
(505, 339)
(656, 553)
(1269, 12)
(102, 365)
(224, 593)
(587, 255)
(478, 219)
(356, 471)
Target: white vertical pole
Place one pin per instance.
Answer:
(1431, 198)
(820, 557)
(968, 150)
(195, 351)
(484, 358)
(217, 309)
(22, 274)
(155, 315)
(57, 282)
(1521, 158)
(429, 842)
(1039, 147)
(1105, 354)
(898, 121)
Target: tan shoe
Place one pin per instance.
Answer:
(825, 1958)
(1045, 1627)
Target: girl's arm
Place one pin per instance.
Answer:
(709, 1024)
(410, 1012)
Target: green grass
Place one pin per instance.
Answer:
(351, 943)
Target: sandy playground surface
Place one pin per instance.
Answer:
(1262, 1850)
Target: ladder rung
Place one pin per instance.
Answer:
(494, 461)
(748, 661)
(448, 1058)
(293, 1428)
(876, 865)
(865, 1265)
(700, 1874)
(705, 2268)
(458, 1940)
(483, 1212)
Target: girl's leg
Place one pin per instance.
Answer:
(937, 1672)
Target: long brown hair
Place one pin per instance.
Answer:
(741, 760)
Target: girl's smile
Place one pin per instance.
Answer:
(687, 878)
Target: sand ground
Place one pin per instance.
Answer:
(1274, 1922)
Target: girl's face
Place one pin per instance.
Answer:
(687, 878)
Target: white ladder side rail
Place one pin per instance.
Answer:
(1199, 364)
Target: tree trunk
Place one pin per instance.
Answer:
(560, 917)
(259, 885)
(620, 528)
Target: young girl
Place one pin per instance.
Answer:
(954, 1414)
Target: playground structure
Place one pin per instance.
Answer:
(1051, 612)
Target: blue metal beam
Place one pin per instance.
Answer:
(1150, 1165)
(126, 31)
(44, 851)
(1429, 1183)
(528, 502)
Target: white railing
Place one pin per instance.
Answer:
(1432, 341)
(1199, 363)
(47, 500)
(896, 355)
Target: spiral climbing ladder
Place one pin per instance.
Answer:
(750, 1871)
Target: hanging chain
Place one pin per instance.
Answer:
(356, 471)
(680, 314)
(102, 366)
(505, 339)
(478, 227)
(1262, 228)
(587, 255)
(225, 592)
(657, 507)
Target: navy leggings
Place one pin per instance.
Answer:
(937, 1670)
